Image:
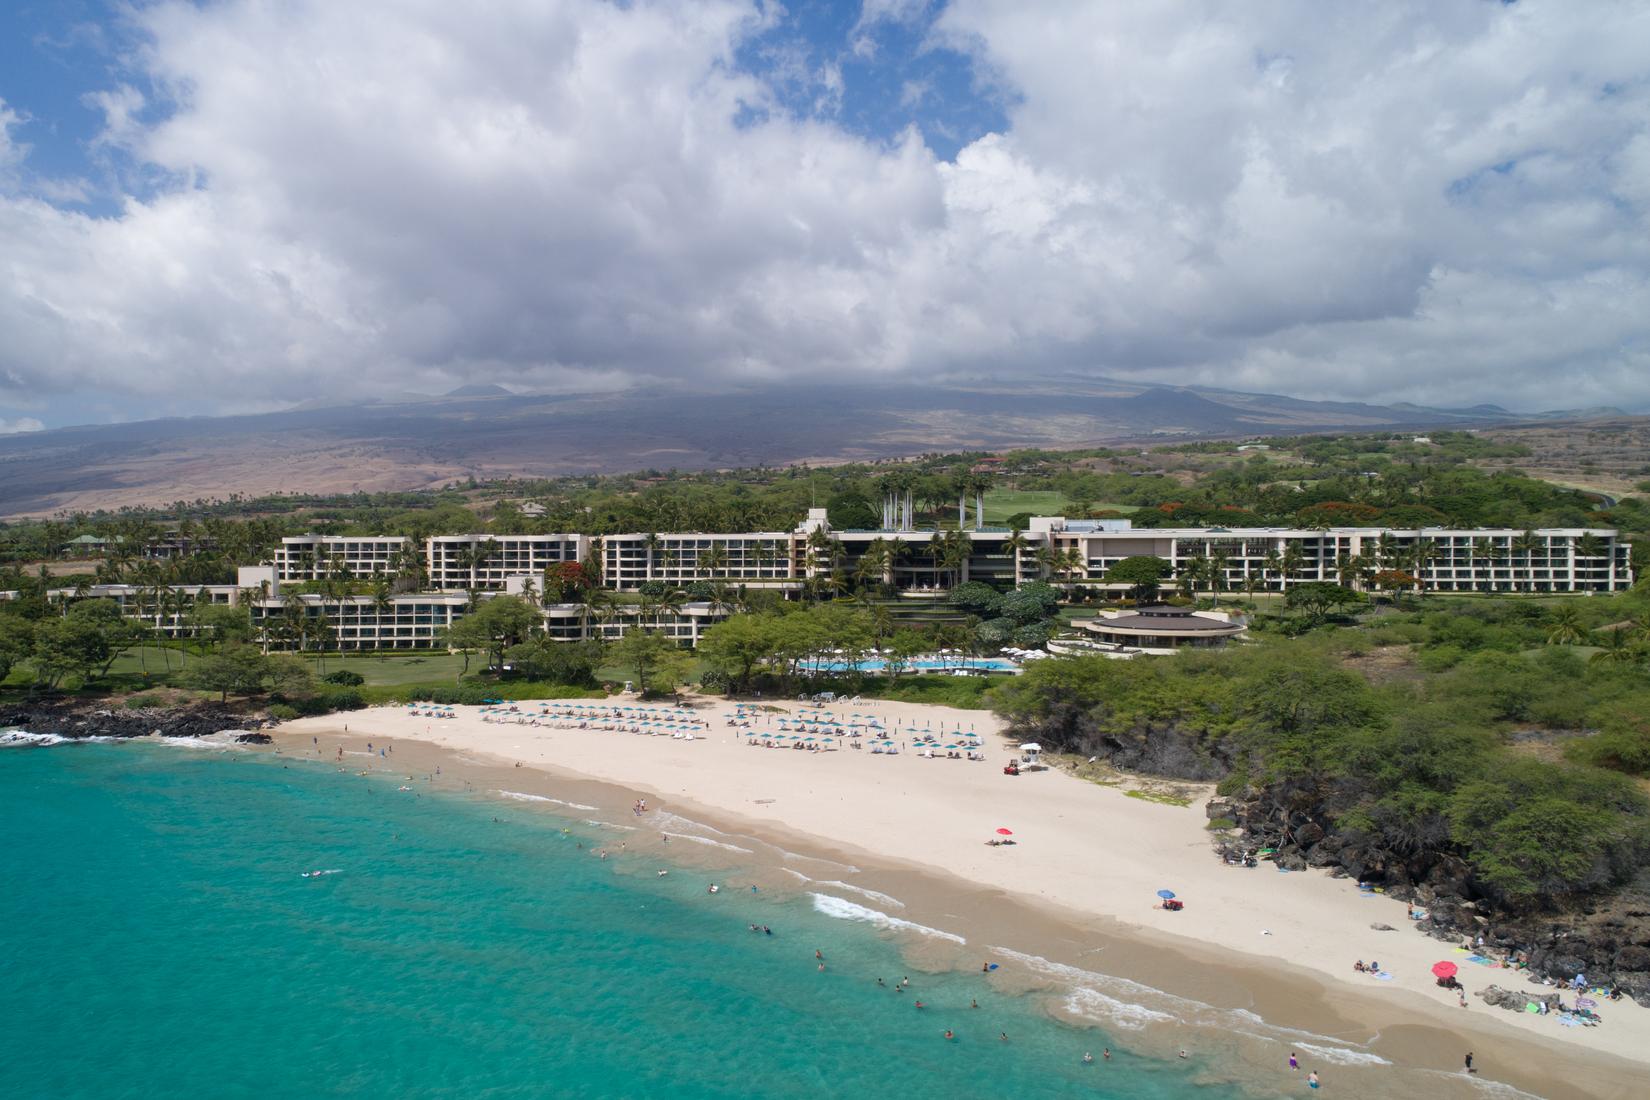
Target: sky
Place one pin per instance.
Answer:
(235, 206)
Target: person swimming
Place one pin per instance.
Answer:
(1088, 1059)
(1106, 1054)
(948, 1034)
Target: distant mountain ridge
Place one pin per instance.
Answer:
(410, 441)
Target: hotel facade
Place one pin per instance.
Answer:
(460, 570)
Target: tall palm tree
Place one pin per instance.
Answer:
(1565, 627)
(651, 543)
(1219, 559)
(1524, 547)
(713, 560)
(1192, 570)
(1291, 562)
(1421, 556)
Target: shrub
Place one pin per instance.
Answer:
(326, 702)
(1222, 823)
(344, 677)
(281, 712)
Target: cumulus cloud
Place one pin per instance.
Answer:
(1429, 201)
(21, 424)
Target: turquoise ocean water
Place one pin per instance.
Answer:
(158, 941)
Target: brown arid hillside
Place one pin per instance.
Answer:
(1610, 455)
(413, 443)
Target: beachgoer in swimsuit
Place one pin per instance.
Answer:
(1294, 1063)
(948, 1034)
(1106, 1054)
(1469, 1063)
(1088, 1059)
(1312, 1080)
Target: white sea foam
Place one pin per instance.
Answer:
(23, 739)
(705, 840)
(1131, 1004)
(211, 741)
(1344, 1056)
(1085, 1001)
(798, 874)
(521, 796)
(880, 898)
(843, 909)
(664, 819)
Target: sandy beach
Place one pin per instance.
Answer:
(1080, 881)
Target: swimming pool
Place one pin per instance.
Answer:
(920, 664)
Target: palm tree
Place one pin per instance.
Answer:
(1219, 559)
(1421, 556)
(1565, 627)
(1291, 561)
(1617, 648)
(381, 605)
(651, 543)
(1525, 546)
(1349, 569)
(1192, 570)
(1015, 545)
(713, 561)
(1272, 565)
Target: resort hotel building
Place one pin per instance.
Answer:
(438, 580)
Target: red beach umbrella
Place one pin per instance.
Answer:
(1005, 832)
(1444, 969)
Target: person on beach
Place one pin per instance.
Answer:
(1469, 1063)
(1294, 1063)
(1183, 1052)
(1312, 1080)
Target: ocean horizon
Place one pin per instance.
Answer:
(162, 941)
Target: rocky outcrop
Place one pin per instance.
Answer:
(75, 719)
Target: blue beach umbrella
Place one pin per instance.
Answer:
(1165, 894)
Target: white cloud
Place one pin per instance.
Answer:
(21, 424)
(1431, 201)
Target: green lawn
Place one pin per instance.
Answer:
(1002, 503)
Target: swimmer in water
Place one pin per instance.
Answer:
(1106, 1054)
(1183, 1053)
(817, 954)
(973, 1003)
(1088, 1059)
(822, 968)
(1312, 1080)
(948, 1034)
(921, 1005)
(1003, 1036)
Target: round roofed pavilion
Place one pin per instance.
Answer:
(1162, 626)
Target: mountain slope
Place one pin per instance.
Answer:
(412, 442)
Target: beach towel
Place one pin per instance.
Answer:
(1383, 976)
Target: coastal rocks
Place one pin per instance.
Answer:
(1219, 808)
(1380, 927)
(254, 738)
(1514, 1000)
(74, 720)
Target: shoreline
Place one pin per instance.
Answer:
(1244, 1004)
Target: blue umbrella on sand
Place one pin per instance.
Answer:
(1165, 894)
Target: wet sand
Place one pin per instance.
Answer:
(898, 836)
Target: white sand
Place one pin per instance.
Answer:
(1081, 846)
